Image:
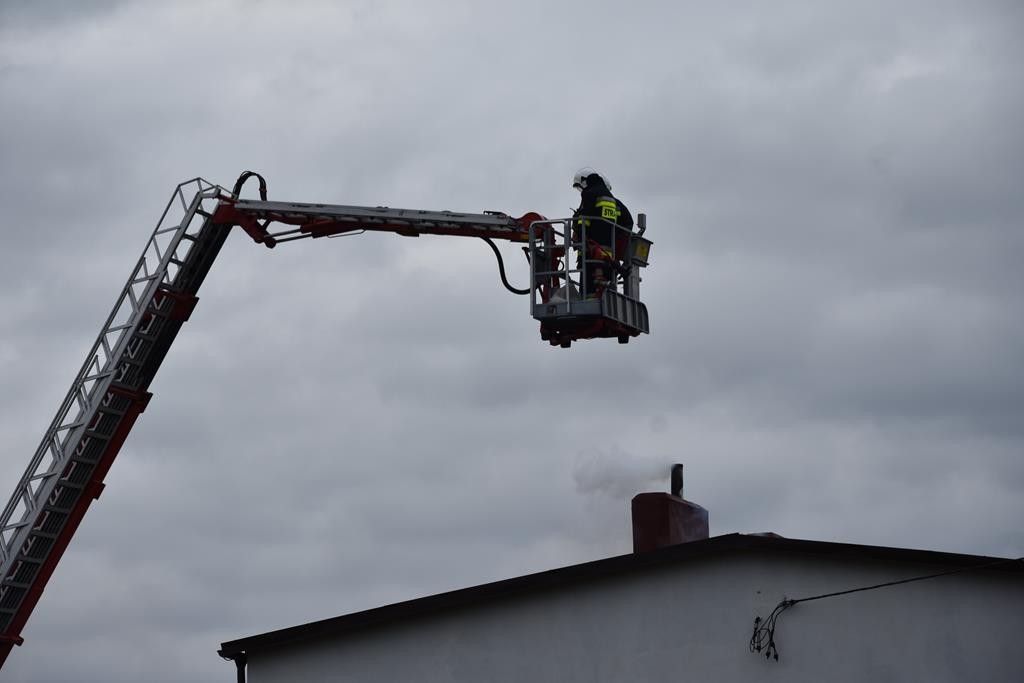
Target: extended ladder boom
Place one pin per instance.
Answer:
(325, 220)
(66, 473)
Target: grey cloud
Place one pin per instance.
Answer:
(29, 14)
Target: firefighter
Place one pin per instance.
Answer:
(604, 218)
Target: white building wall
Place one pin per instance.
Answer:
(692, 622)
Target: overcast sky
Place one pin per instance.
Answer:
(835, 291)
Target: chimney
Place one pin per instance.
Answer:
(663, 519)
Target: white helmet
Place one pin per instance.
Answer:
(579, 180)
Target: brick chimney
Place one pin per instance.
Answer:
(663, 519)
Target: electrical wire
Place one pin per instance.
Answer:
(501, 268)
(764, 632)
(763, 638)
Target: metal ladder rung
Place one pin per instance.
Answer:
(16, 584)
(107, 410)
(101, 440)
(93, 434)
(59, 511)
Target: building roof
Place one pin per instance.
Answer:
(588, 571)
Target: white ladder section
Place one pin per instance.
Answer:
(67, 469)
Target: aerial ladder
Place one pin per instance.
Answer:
(110, 391)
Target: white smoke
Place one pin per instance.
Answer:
(617, 474)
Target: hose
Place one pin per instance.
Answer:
(237, 189)
(501, 268)
(245, 176)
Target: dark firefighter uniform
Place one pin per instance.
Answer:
(603, 252)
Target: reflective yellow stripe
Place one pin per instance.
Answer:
(609, 209)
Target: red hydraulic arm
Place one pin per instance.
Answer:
(325, 220)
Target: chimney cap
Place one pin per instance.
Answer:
(677, 480)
